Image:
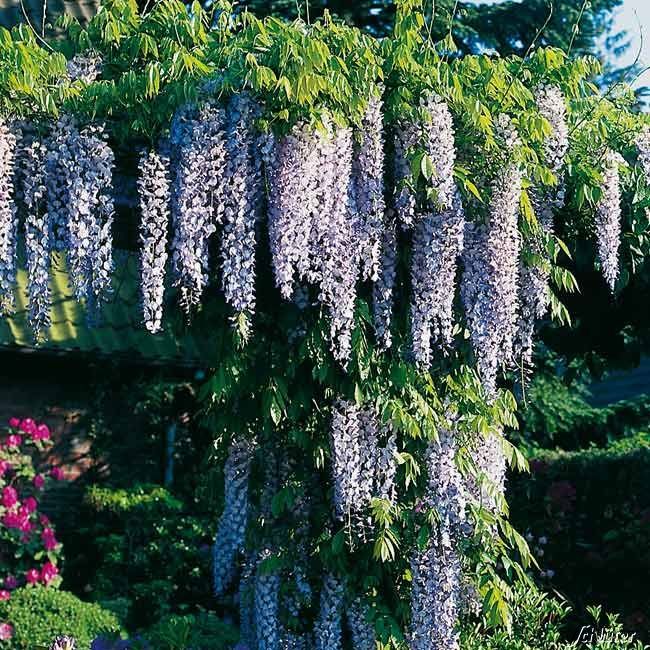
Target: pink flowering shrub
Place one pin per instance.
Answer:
(29, 550)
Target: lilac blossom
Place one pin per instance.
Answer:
(198, 140)
(436, 594)
(242, 201)
(8, 217)
(361, 630)
(37, 238)
(85, 67)
(368, 171)
(88, 163)
(488, 487)
(293, 167)
(608, 219)
(490, 279)
(534, 294)
(440, 147)
(347, 461)
(328, 626)
(384, 286)
(437, 243)
(155, 195)
(337, 247)
(231, 531)
(406, 138)
(267, 602)
(58, 168)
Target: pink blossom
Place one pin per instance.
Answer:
(44, 519)
(5, 466)
(14, 422)
(26, 526)
(12, 520)
(57, 473)
(4, 594)
(9, 496)
(49, 572)
(42, 432)
(14, 440)
(39, 482)
(11, 582)
(28, 425)
(32, 576)
(49, 540)
(30, 504)
(6, 631)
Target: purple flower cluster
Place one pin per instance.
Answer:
(368, 171)
(361, 629)
(231, 531)
(85, 67)
(608, 219)
(488, 486)
(243, 195)
(37, 237)
(8, 143)
(199, 146)
(84, 160)
(437, 587)
(328, 626)
(361, 468)
(437, 243)
(267, 603)
(155, 196)
(533, 278)
(383, 288)
(490, 283)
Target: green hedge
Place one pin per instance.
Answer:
(588, 515)
(140, 551)
(38, 614)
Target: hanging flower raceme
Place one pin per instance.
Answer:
(58, 176)
(155, 195)
(534, 295)
(199, 143)
(243, 196)
(328, 626)
(437, 243)
(347, 463)
(267, 603)
(337, 245)
(362, 469)
(8, 218)
(608, 218)
(406, 137)
(487, 488)
(368, 170)
(37, 238)
(551, 104)
(440, 148)
(490, 283)
(384, 286)
(361, 630)
(437, 589)
(231, 531)
(88, 163)
(293, 165)
(246, 593)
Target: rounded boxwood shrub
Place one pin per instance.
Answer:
(38, 614)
